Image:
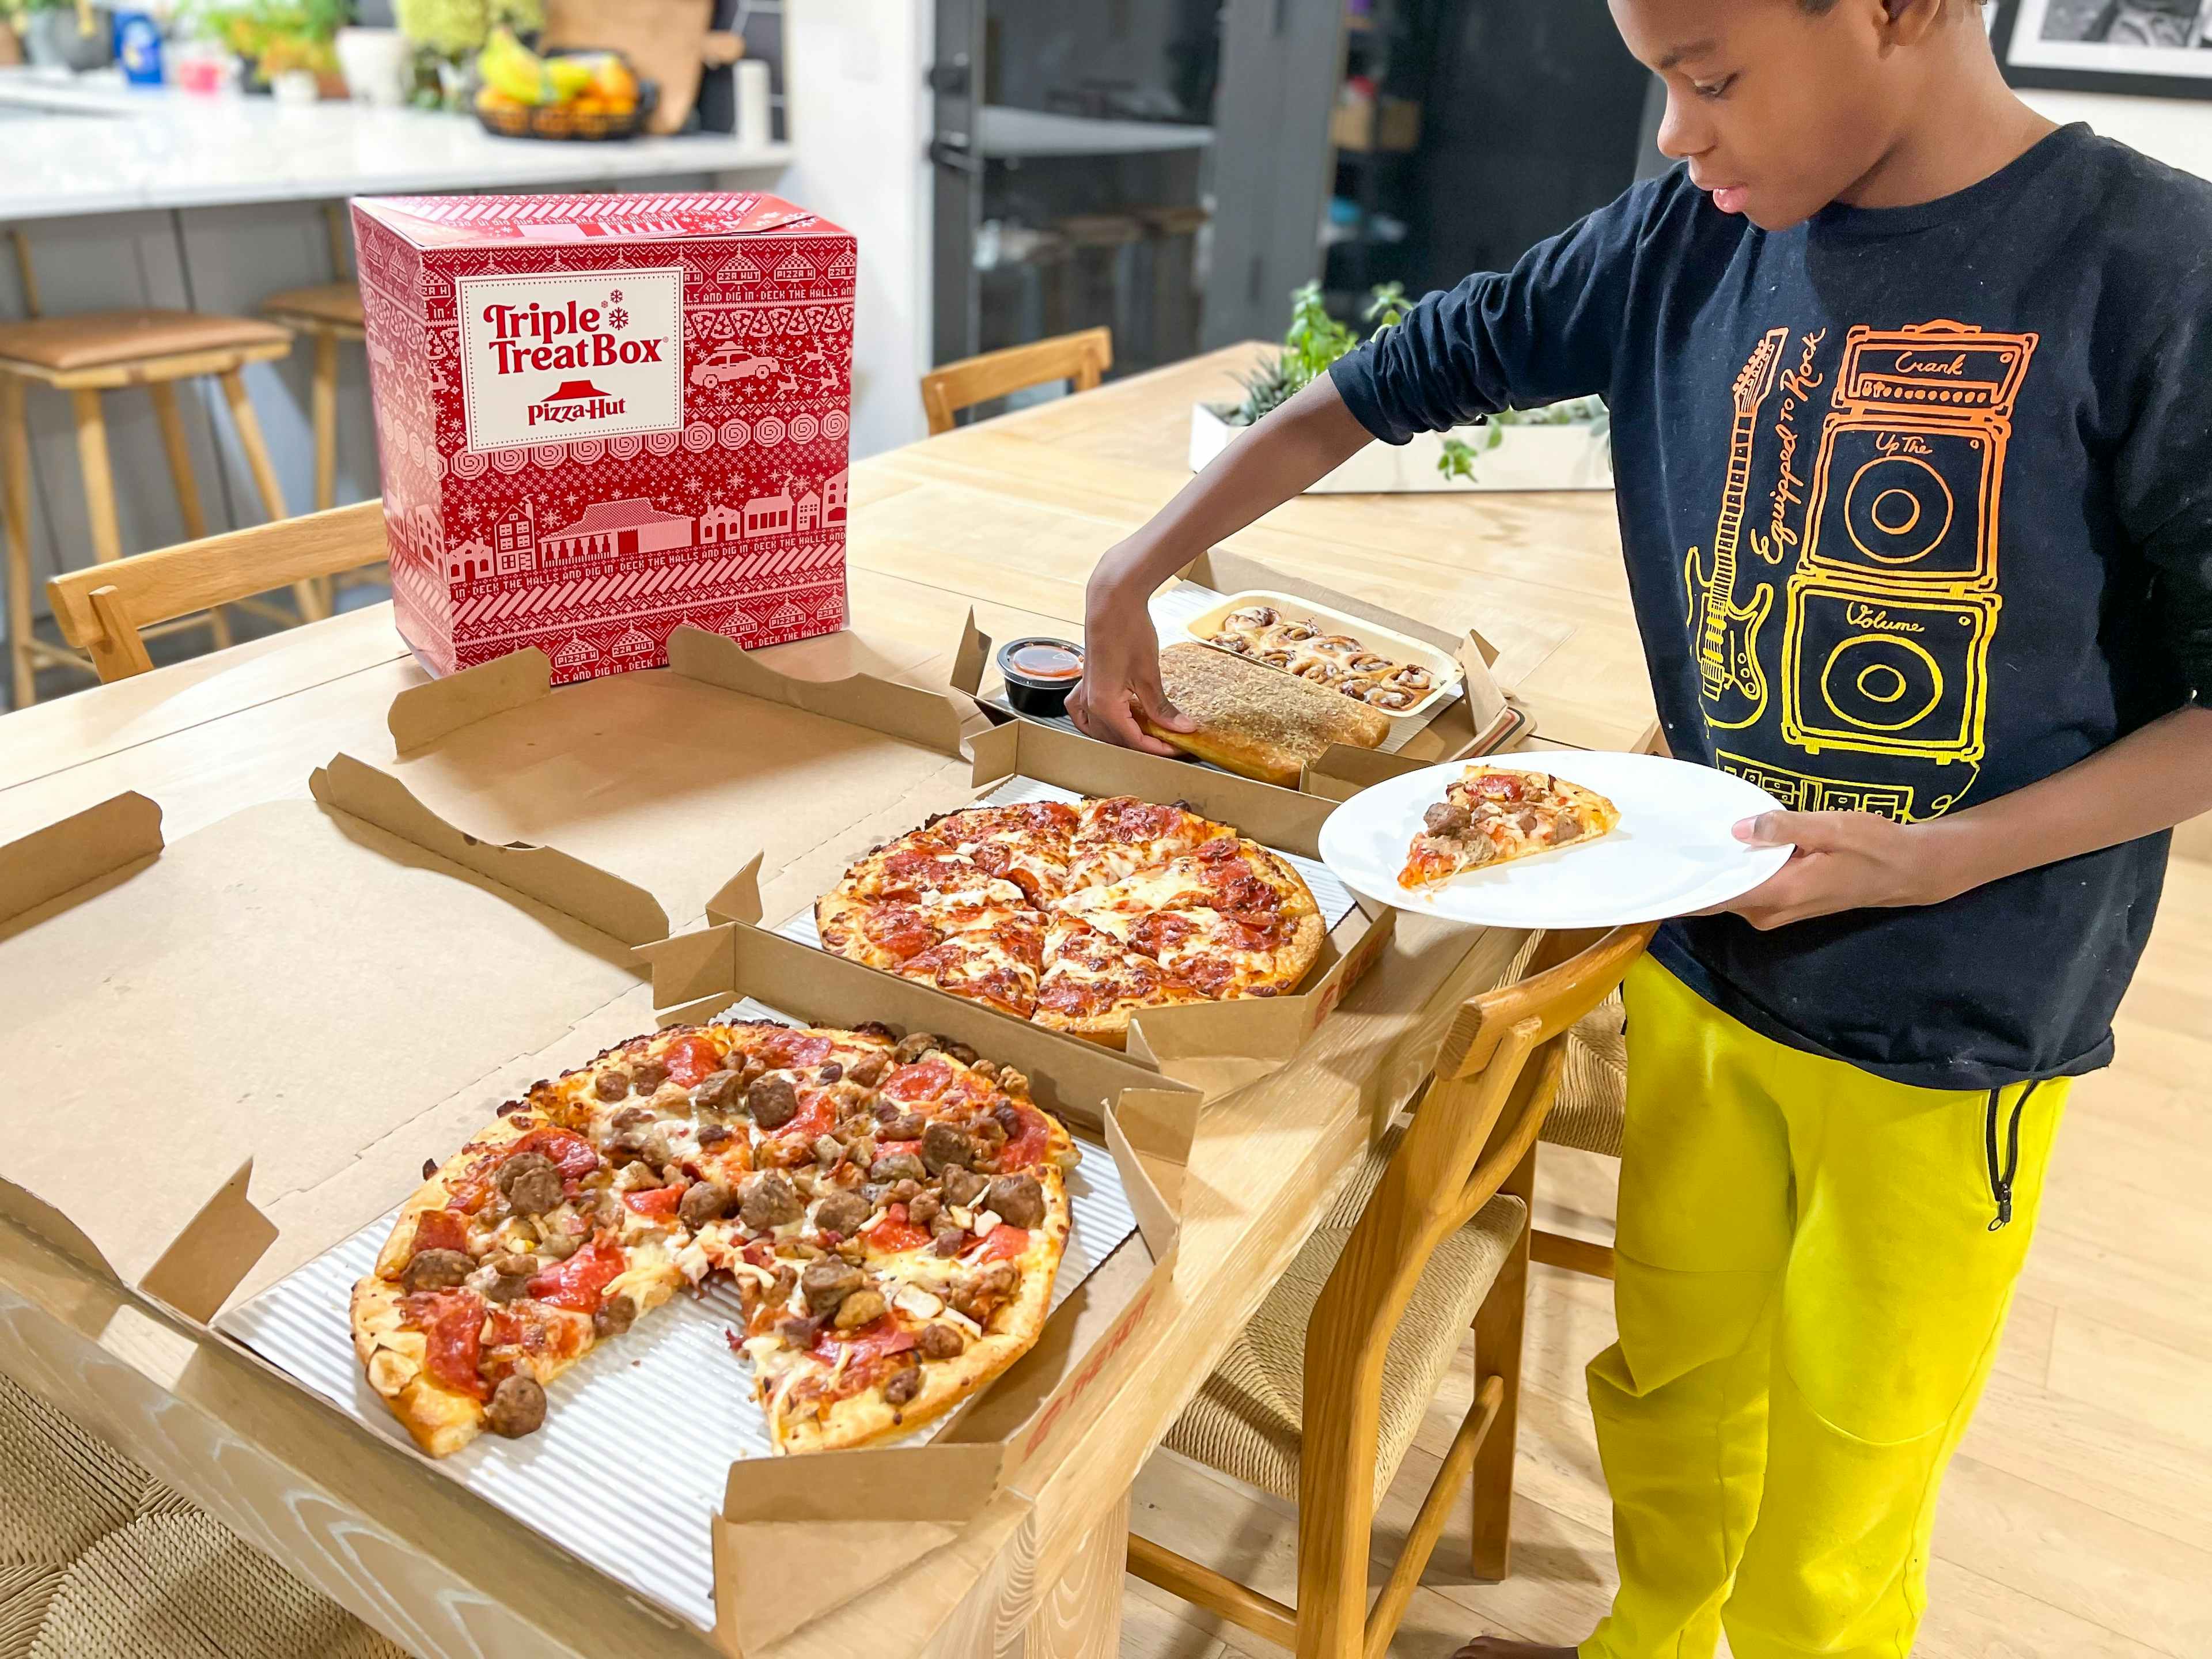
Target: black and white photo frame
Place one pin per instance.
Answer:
(2156, 48)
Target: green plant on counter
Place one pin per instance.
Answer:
(449, 34)
(1314, 341)
(1457, 459)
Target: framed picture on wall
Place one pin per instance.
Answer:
(2159, 48)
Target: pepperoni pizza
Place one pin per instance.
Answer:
(893, 1212)
(1077, 916)
(1491, 814)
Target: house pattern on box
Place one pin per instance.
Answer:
(595, 550)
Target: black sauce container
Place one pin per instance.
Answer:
(1041, 694)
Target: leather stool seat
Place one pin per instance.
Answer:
(331, 302)
(94, 339)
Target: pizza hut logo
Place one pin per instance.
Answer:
(574, 400)
(562, 356)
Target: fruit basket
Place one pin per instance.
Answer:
(577, 94)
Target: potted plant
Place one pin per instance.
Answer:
(63, 33)
(446, 35)
(1562, 446)
(286, 41)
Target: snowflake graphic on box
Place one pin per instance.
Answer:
(596, 542)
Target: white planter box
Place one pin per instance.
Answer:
(1526, 457)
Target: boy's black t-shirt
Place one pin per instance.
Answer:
(1917, 509)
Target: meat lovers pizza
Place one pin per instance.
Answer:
(1077, 916)
(893, 1210)
(1492, 814)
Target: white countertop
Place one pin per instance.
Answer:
(73, 149)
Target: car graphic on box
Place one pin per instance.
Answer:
(733, 363)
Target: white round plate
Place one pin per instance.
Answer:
(1673, 852)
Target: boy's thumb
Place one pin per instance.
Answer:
(1780, 829)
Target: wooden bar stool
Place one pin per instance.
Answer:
(100, 351)
(326, 314)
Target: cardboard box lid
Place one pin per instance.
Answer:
(229, 1034)
(433, 222)
(675, 782)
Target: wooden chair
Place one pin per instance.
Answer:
(1592, 1110)
(1320, 1395)
(84, 355)
(1079, 359)
(103, 611)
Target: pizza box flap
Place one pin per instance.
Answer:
(229, 1031)
(678, 778)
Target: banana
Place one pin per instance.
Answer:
(571, 75)
(511, 68)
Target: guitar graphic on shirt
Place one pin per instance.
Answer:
(1728, 633)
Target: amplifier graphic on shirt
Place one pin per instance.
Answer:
(1888, 615)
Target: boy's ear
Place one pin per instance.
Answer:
(1910, 21)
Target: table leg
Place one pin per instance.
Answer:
(1080, 1616)
(16, 521)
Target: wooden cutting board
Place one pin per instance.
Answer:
(666, 41)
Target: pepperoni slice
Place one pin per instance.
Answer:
(657, 1203)
(1026, 1147)
(573, 1155)
(899, 929)
(452, 1323)
(691, 1058)
(1004, 1242)
(441, 1230)
(897, 1233)
(580, 1282)
(1496, 786)
(923, 1080)
(790, 1050)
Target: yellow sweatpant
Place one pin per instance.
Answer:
(1812, 1279)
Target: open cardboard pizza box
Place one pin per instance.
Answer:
(265, 1028)
(674, 778)
(1478, 720)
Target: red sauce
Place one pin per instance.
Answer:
(1027, 1147)
(923, 1080)
(441, 1230)
(1004, 1242)
(790, 1050)
(658, 1203)
(1045, 662)
(898, 1231)
(581, 1281)
(452, 1323)
(691, 1058)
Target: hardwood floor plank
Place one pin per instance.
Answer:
(2158, 1387)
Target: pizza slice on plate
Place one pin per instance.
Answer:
(1493, 814)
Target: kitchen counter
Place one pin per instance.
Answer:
(75, 148)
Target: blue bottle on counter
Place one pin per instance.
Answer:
(138, 48)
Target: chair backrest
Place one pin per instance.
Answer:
(101, 608)
(1081, 359)
(1495, 1077)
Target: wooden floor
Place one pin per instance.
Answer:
(2077, 1520)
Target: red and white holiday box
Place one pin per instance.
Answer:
(602, 416)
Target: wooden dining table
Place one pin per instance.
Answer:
(1003, 519)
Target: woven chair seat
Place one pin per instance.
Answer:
(1593, 1103)
(1246, 1420)
(100, 1560)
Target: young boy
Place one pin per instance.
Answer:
(1914, 449)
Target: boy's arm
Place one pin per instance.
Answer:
(1302, 441)
(2150, 780)
(1542, 331)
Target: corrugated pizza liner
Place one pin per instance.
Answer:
(202, 1243)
